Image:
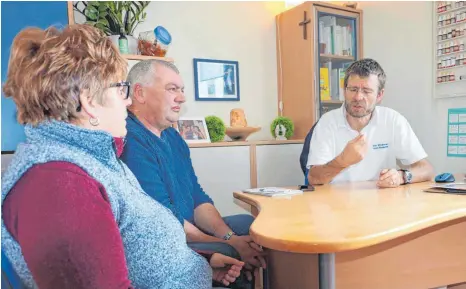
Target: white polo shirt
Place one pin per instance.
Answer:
(388, 134)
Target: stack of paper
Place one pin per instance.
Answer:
(273, 192)
(455, 188)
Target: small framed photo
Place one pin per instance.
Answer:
(193, 129)
(216, 80)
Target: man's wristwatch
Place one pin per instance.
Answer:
(228, 235)
(407, 176)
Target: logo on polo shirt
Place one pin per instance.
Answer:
(380, 146)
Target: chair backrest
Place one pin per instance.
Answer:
(306, 180)
(305, 152)
(10, 279)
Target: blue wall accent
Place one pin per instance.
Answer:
(16, 16)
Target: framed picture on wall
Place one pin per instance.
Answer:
(193, 129)
(216, 80)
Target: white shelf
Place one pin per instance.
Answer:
(454, 81)
(336, 57)
(451, 10)
(451, 67)
(451, 53)
(331, 102)
(451, 25)
(456, 87)
(451, 39)
(146, 57)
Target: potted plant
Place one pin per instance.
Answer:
(114, 17)
(216, 128)
(282, 128)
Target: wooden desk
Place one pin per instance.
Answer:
(362, 237)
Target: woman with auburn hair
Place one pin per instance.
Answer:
(74, 216)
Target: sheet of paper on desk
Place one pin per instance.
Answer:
(455, 188)
(273, 192)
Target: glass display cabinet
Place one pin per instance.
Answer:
(316, 42)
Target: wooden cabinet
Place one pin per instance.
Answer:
(226, 167)
(316, 42)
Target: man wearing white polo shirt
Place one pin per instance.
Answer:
(362, 141)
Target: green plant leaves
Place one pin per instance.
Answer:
(92, 23)
(100, 26)
(216, 128)
(286, 122)
(103, 22)
(91, 12)
(93, 3)
(111, 5)
(102, 7)
(111, 16)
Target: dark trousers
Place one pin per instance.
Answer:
(240, 225)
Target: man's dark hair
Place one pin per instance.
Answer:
(364, 68)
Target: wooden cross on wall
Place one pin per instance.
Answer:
(304, 24)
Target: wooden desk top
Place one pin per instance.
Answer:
(343, 217)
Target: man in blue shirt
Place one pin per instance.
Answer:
(160, 159)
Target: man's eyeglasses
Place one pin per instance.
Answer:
(354, 90)
(123, 86)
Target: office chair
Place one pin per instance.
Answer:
(10, 279)
(305, 152)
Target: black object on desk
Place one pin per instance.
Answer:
(306, 188)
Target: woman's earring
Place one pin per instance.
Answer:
(94, 121)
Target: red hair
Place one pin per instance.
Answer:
(48, 69)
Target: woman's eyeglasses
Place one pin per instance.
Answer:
(123, 87)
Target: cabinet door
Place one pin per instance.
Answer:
(339, 44)
(278, 165)
(222, 171)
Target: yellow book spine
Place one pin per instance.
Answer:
(324, 84)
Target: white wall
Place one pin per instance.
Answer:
(399, 35)
(401, 40)
(240, 31)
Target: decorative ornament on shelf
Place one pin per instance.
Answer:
(115, 18)
(154, 43)
(282, 128)
(238, 118)
(351, 4)
(216, 128)
(239, 129)
(280, 132)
